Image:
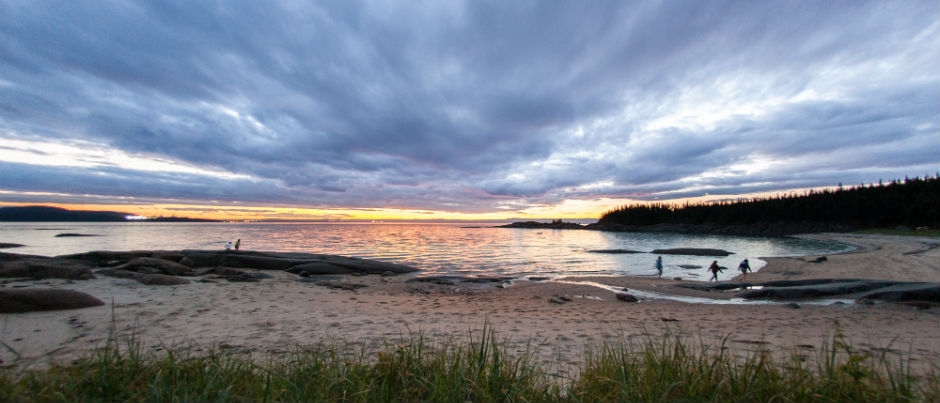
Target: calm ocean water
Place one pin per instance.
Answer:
(459, 249)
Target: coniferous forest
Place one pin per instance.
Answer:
(911, 203)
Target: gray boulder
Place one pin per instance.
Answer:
(31, 300)
(622, 296)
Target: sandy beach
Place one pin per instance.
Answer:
(281, 314)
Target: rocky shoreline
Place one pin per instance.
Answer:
(164, 268)
(168, 268)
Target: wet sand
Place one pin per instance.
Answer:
(281, 315)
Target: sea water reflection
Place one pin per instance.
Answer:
(452, 249)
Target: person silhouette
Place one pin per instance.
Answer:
(744, 267)
(659, 266)
(714, 268)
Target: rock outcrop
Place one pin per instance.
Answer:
(41, 267)
(29, 300)
(167, 268)
(692, 252)
(287, 261)
(157, 266)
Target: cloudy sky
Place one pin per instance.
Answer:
(476, 109)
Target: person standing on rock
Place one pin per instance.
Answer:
(239, 243)
(659, 266)
(714, 268)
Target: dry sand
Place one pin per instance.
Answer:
(280, 315)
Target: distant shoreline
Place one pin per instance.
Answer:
(753, 230)
(55, 214)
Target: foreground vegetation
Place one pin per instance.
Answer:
(908, 203)
(479, 370)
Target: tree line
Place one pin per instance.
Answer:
(909, 202)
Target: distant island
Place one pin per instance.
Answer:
(555, 224)
(55, 214)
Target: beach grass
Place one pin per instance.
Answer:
(479, 369)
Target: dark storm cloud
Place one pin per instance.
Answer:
(470, 106)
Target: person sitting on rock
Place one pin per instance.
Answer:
(228, 246)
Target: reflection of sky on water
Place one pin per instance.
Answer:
(434, 248)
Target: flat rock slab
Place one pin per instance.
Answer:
(31, 300)
(692, 252)
(815, 291)
(163, 266)
(928, 292)
(294, 262)
(860, 289)
(41, 267)
(614, 251)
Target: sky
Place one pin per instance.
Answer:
(457, 109)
